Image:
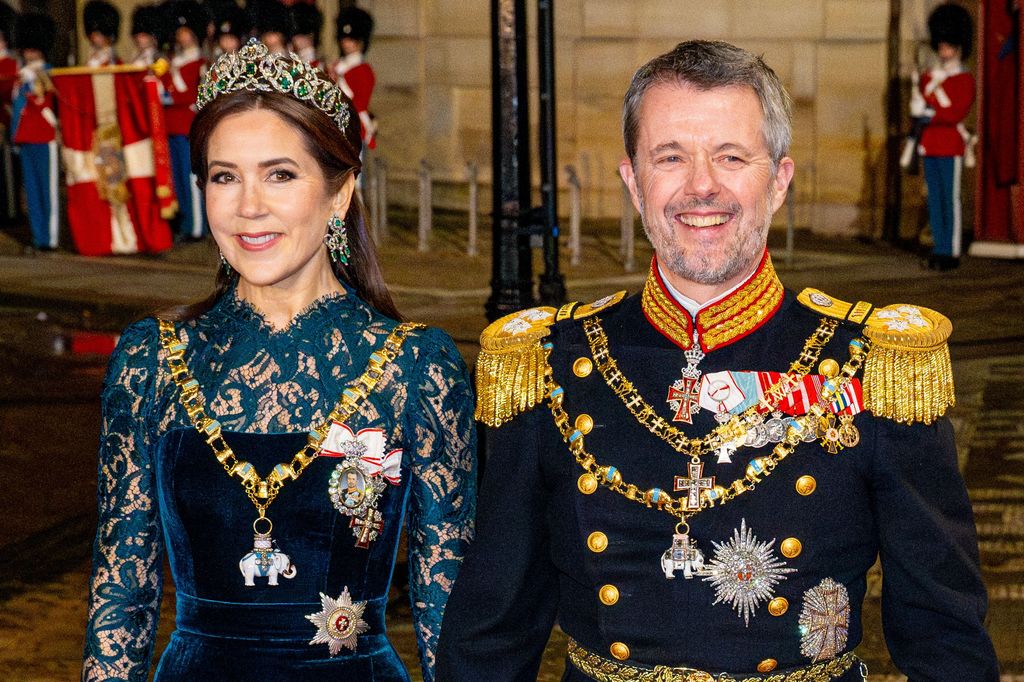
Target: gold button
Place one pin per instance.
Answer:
(597, 542)
(619, 650)
(767, 665)
(805, 485)
(829, 368)
(791, 547)
(582, 367)
(609, 594)
(585, 423)
(587, 483)
(778, 606)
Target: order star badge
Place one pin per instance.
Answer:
(339, 623)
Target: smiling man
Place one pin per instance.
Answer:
(694, 481)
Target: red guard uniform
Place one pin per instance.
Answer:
(181, 86)
(951, 97)
(356, 79)
(35, 132)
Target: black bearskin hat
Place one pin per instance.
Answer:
(269, 16)
(35, 32)
(101, 17)
(146, 19)
(7, 18)
(951, 23)
(306, 20)
(190, 14)
(229, 18)
(355, 23)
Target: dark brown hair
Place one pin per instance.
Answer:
(336, 153)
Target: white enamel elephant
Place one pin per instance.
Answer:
(266, 564)
(682, 556)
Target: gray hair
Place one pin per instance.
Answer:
(707, 65)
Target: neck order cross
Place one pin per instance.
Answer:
(737, 426)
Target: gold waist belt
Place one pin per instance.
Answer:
(607, 670)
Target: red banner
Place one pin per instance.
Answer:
(110, 167)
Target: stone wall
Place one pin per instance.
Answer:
(432, 59)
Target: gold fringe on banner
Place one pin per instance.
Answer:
(908, 377)
(512, 365)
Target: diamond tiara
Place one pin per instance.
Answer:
(254, 67)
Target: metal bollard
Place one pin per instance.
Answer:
(575, 216)
(381, 199)
(426, 208)
(369, 196)
(474, 206)
(627, 244)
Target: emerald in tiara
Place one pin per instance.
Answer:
(254, 67)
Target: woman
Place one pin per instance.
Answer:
(229, 433)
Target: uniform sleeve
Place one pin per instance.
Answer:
(126, 586)
(960, 91)
(443, 486)
(933, 600)
(500, 615)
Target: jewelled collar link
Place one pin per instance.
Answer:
(262, 491)
(738, 425)
(760, 467)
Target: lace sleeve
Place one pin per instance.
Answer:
(126, 576)
(442, 435)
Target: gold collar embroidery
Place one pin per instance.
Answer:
(728, 320)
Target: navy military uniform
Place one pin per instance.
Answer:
(572, 523)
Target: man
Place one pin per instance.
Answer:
(305, 24)
(146, 32)
(181, 85)
(711, 476)
(943, 97)
(102, 23)
(34, 126)
(352, 72)
(231, 27)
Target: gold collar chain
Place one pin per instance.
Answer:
(738, 425)
(758, 468)
(262, 491)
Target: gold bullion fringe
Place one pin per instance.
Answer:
(908, 385)
(509, 382)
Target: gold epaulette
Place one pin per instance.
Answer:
(513, 362)
(907, 375)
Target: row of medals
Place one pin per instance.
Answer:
(743, 570)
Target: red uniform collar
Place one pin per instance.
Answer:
(741, 312)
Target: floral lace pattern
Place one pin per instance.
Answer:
(259, 380)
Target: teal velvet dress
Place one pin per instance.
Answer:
(161, 490)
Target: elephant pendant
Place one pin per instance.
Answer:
(682, 555)
(265, 560)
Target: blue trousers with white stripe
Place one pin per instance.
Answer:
(942, 175)
(39, 174)
(191, 219)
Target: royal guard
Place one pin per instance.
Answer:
(181, 86)
(306, 23)
(8, 75)
(943, 98)
(102, 23)
(147, 30)
(352, 72)
(271, 22)
(34, 125)
(230, 26)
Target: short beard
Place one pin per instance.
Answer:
(698, 267)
